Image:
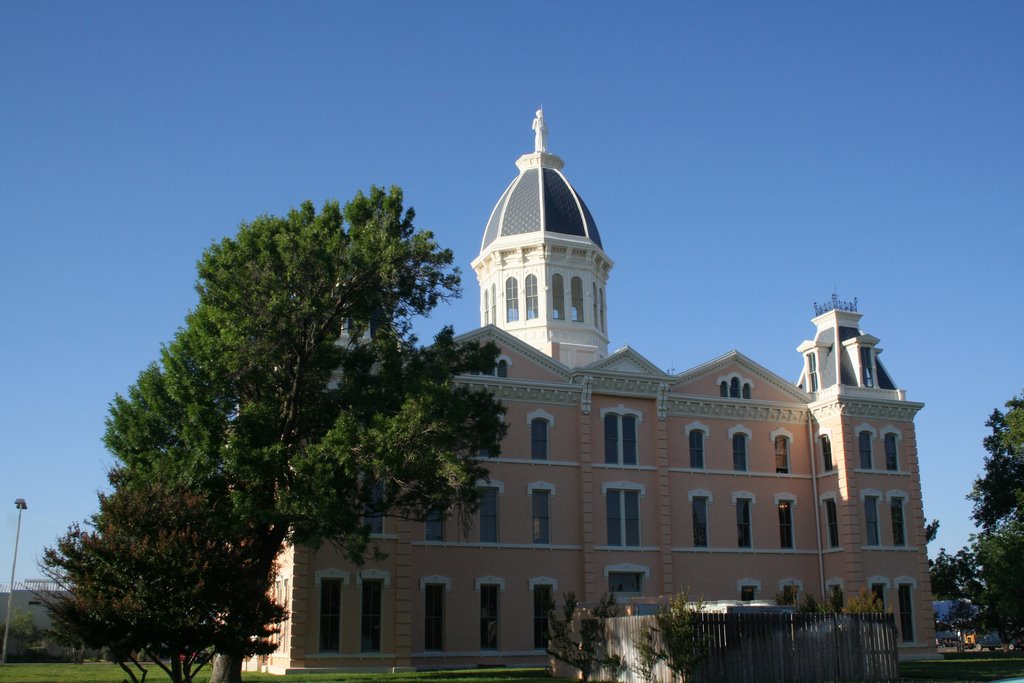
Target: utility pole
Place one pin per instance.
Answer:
(22, 506)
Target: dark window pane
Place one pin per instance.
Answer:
(369, 633)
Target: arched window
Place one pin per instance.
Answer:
(557, 297)
(511, 300)
(826, 454)
(781, 454)
(594, 296)
(494, 303)
(739, 452)
(891, 462)
(723, 389)
(502, 368)
(531, 297)
(576, 285)
(539, 438)
(746, 391)
(734, 388)
(864, 440)
(604, 328)
(487, 310)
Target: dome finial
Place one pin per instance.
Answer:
(540, 138)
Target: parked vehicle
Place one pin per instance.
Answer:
(990, 641)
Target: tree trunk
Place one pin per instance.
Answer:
(226, 669)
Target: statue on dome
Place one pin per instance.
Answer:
(540, 140)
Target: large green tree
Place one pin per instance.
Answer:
(995, 493)
(296, 393)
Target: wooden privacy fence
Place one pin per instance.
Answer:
(770, 647)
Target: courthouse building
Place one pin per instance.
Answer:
(725, 480)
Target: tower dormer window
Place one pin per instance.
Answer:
(603, 326)
(487, 310)
(576, 285)
(557, 297)
(812, 371)
(594, 297)
(866, 375)
(511, 300)
(494, 303)
(531, 297)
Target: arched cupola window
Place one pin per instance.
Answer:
(576, 285)
(603, 326)
(487, 310)
(557, 297)
(593, 287)
(511, 300)
(531, 297)
(494, 303)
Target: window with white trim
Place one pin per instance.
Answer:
(626, 583)
(699, 506)
(864, 441)
(748, 592)
(511, 300)
(899, 533)
(540, 501)
(697, 449)
(812, 370)
(781, 455)
(785, 508)
(906, 605)
(330, 614)
(532, 301)
(832, 522)
(744, 533)
(739, 452)
(867, 376)
(871, 520)
(620, 439)
(543, 603)
(593, 295)
(433, 617)
(489, 616)
(433, 525)
(623, 517)
(487, 309)
(489, 515)
(494, 303)
(828, 465)
(576, 291)
(891, 459)
(370, 617)
(557, 297)
(539, 438)
(373, 517)
(604, 326)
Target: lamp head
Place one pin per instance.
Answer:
(21, 504)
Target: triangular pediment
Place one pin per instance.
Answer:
(510, 343)
(705, 377)
(626, 361)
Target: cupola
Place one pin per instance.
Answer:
(542, 268)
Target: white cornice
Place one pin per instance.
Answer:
(507, 340)
(715, 366)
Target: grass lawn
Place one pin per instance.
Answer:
(965, 668)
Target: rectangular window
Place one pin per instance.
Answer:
(812, 370)
(864, 439)
(785, 524)
(906, 613)
(867, 377)
(878, 589)
(700, 522)
(542, 604)
(697, 449)
(330, 615)
(826, 454)
(488, 617)
(433, 526)
(369, 631)
(748, 593)
(489, 515)
(619, 439)
(539, 439)
(626, 582)
(781, 455)
(541, 519)
(623, 518)
(739, 452)
(871, 519)
(891, 462)
(743, 522)
(433, 617)
(899, 537)
(373, 518)
(833, 523)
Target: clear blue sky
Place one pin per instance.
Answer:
(741, 160)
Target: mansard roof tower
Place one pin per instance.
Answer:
(542, 269)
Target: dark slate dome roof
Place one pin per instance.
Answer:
(540, 199)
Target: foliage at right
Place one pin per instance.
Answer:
(581, 641)
(676, 639)
(985, 575)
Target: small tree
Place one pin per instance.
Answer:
(865, 602)
(647, 656)
(583, 643)
(23, 631)
(684, 645)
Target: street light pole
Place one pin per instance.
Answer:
(21, 505)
